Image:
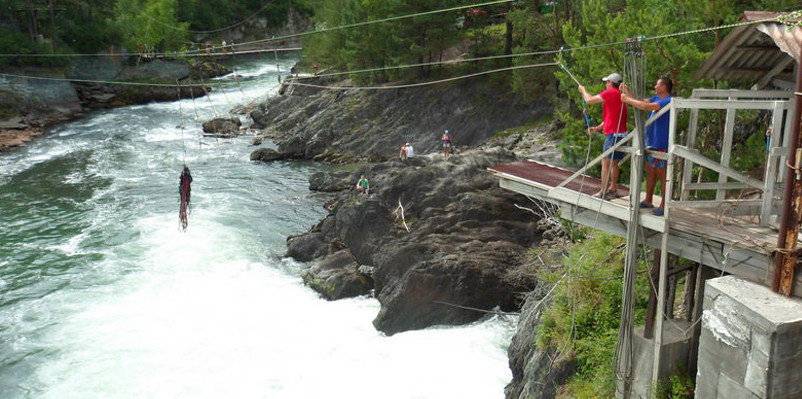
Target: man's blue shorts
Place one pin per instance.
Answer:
(609, 141)
(655, 162)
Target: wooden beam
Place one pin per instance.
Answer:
(661, 289)
(740, 94)
(702, 160)
(779, 67)
(598, 159)
(687, 168)
(692, 103)
(620, 212)
(726, 149)
(715, 186)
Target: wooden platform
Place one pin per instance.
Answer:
(712, 234)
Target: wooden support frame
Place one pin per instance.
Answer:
(770, 175)
(661, 285)
(702, 160)
(726, 150)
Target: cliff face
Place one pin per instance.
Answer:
(345, 126)
(536, 373)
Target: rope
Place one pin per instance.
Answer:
(111, 82)
(375, 21)
(419, 84)
(155, 54)
(181, 120)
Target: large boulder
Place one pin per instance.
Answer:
(330, 181)
(208, 69)
(267, 155)
(160, 70)
(465, 244)
(338, 276)
(306, 247)
(222, 126)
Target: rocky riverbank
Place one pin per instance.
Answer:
(459, 244)
(29, 106)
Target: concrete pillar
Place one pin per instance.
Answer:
(751, 343)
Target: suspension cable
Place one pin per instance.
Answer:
(419, 84)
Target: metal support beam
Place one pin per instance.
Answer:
(786, 257)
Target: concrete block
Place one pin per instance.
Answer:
(729, 389)
(673, 357)
(757, 373)
(751, 343)
(725, 358)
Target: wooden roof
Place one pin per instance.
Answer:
(759, 54)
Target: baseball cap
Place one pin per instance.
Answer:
(614, 77)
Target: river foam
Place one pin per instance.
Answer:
(102, 296)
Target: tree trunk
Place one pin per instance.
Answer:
(508, 37)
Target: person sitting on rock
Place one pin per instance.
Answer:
(410, 151)
(363, 186)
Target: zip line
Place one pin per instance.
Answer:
(534, 53)
(419, 84)
(389, 87)
(154, 55)
(300, 34)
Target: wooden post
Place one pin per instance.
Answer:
(690, 142)
(661, 286)
(702, 274)
(689, 299)
(651, 308)
(770, 177)
(672, 294)
(726, 149)
(786, 256)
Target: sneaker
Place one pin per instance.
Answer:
(644, 204)
(658, 212)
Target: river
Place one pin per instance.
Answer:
(102, 296)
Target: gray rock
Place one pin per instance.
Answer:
(13, 123)
(306, 247)
(337, 276)
(267, 155)
(226, 126)
(536, 373)
(330, 181)
(169, 71)
(465, 243)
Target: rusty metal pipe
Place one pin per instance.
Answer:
(785, 258)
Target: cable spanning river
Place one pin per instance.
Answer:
(102, 296)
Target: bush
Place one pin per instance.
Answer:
(583, 319)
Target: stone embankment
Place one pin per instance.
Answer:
(29, 106)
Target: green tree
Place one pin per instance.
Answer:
(151, 25)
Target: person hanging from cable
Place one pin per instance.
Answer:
(614, 127)
(656, 138)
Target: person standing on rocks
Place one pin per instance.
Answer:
(402, 154)
(614, 126)
(363, 186)
(446, 144)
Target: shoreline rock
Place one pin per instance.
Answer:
(466, 243)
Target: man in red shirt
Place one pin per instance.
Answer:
(614, 126)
